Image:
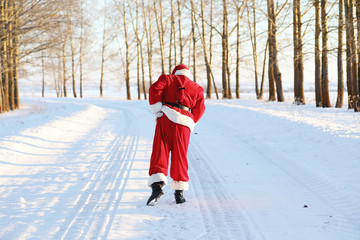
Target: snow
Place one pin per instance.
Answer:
(77, 169)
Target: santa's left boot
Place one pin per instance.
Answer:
(179, 198)
(157, 192)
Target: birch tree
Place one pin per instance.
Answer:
(274, 72)
(318, 88)
(298, 55)
(340, 87)
(324, 57)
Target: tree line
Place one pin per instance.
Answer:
(136, 40)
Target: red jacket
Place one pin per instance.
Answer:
(177, 89)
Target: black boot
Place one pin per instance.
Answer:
(179, 198)
(157, 192)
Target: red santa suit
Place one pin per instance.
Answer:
(178, 104)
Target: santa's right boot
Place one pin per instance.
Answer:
(179, 197)
(157, 192)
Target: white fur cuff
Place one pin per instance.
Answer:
(156, 107)
(157, 177)
(180, 185)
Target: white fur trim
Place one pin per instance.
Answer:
(180, 185)
(156, 107)
(157, 177)
(178, 118)
(184, 72)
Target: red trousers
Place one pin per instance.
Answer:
(174, 138)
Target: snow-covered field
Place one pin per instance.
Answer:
(77, 169)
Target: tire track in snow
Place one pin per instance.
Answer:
(319, 187)
(36, 153)
(328, 193)
(96, 207)
(222, 216)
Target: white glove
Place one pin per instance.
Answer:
(158, 115)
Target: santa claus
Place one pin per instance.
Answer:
(178, 104)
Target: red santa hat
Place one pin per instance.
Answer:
(181, 69)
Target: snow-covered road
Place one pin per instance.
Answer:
(77, 169)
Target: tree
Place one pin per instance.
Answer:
(324, 57)
(252, 28)
(72, 47)
(350, 76)
(81, 48)
(123, 10)
(318, 88)
(103, 52)
(225, 52)
(274, 72)
(193, 20)
(161, 32)
(149, 39)
(238, 35)
(181, 44)
(358, 51)
(340, 93)
(298, 55)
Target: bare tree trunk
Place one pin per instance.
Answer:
(4, 60)
(141, 55)
(295, 43)
(127, 63)
(324, 57)
(81, 51)
(16, 55)
(60, 72)
(254, 45)
(298, 55)
(57, 73)
(211, 46)
(138, 69)
(148, 33)
(73, 64)
(318, 88)
(340, 93)
(237, 74)
(135, 24)
(273, 43)
(172, 32)
(43, 74)
(353, 51)
(181, 45)
(348, 55)
(225, 51)
(194, 40)
(263, 71)
(161, 32)
(211, 34)
(143, 71)
(10, 54)
(70, 34)
(203, 40)
(271, 49)
(358, 46)
(103, 53)
(9, 30)
(64, 67)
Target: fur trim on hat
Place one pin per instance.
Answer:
(157, 177)
(180, 185)
(185, 72)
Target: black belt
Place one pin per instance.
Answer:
(178, 106)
